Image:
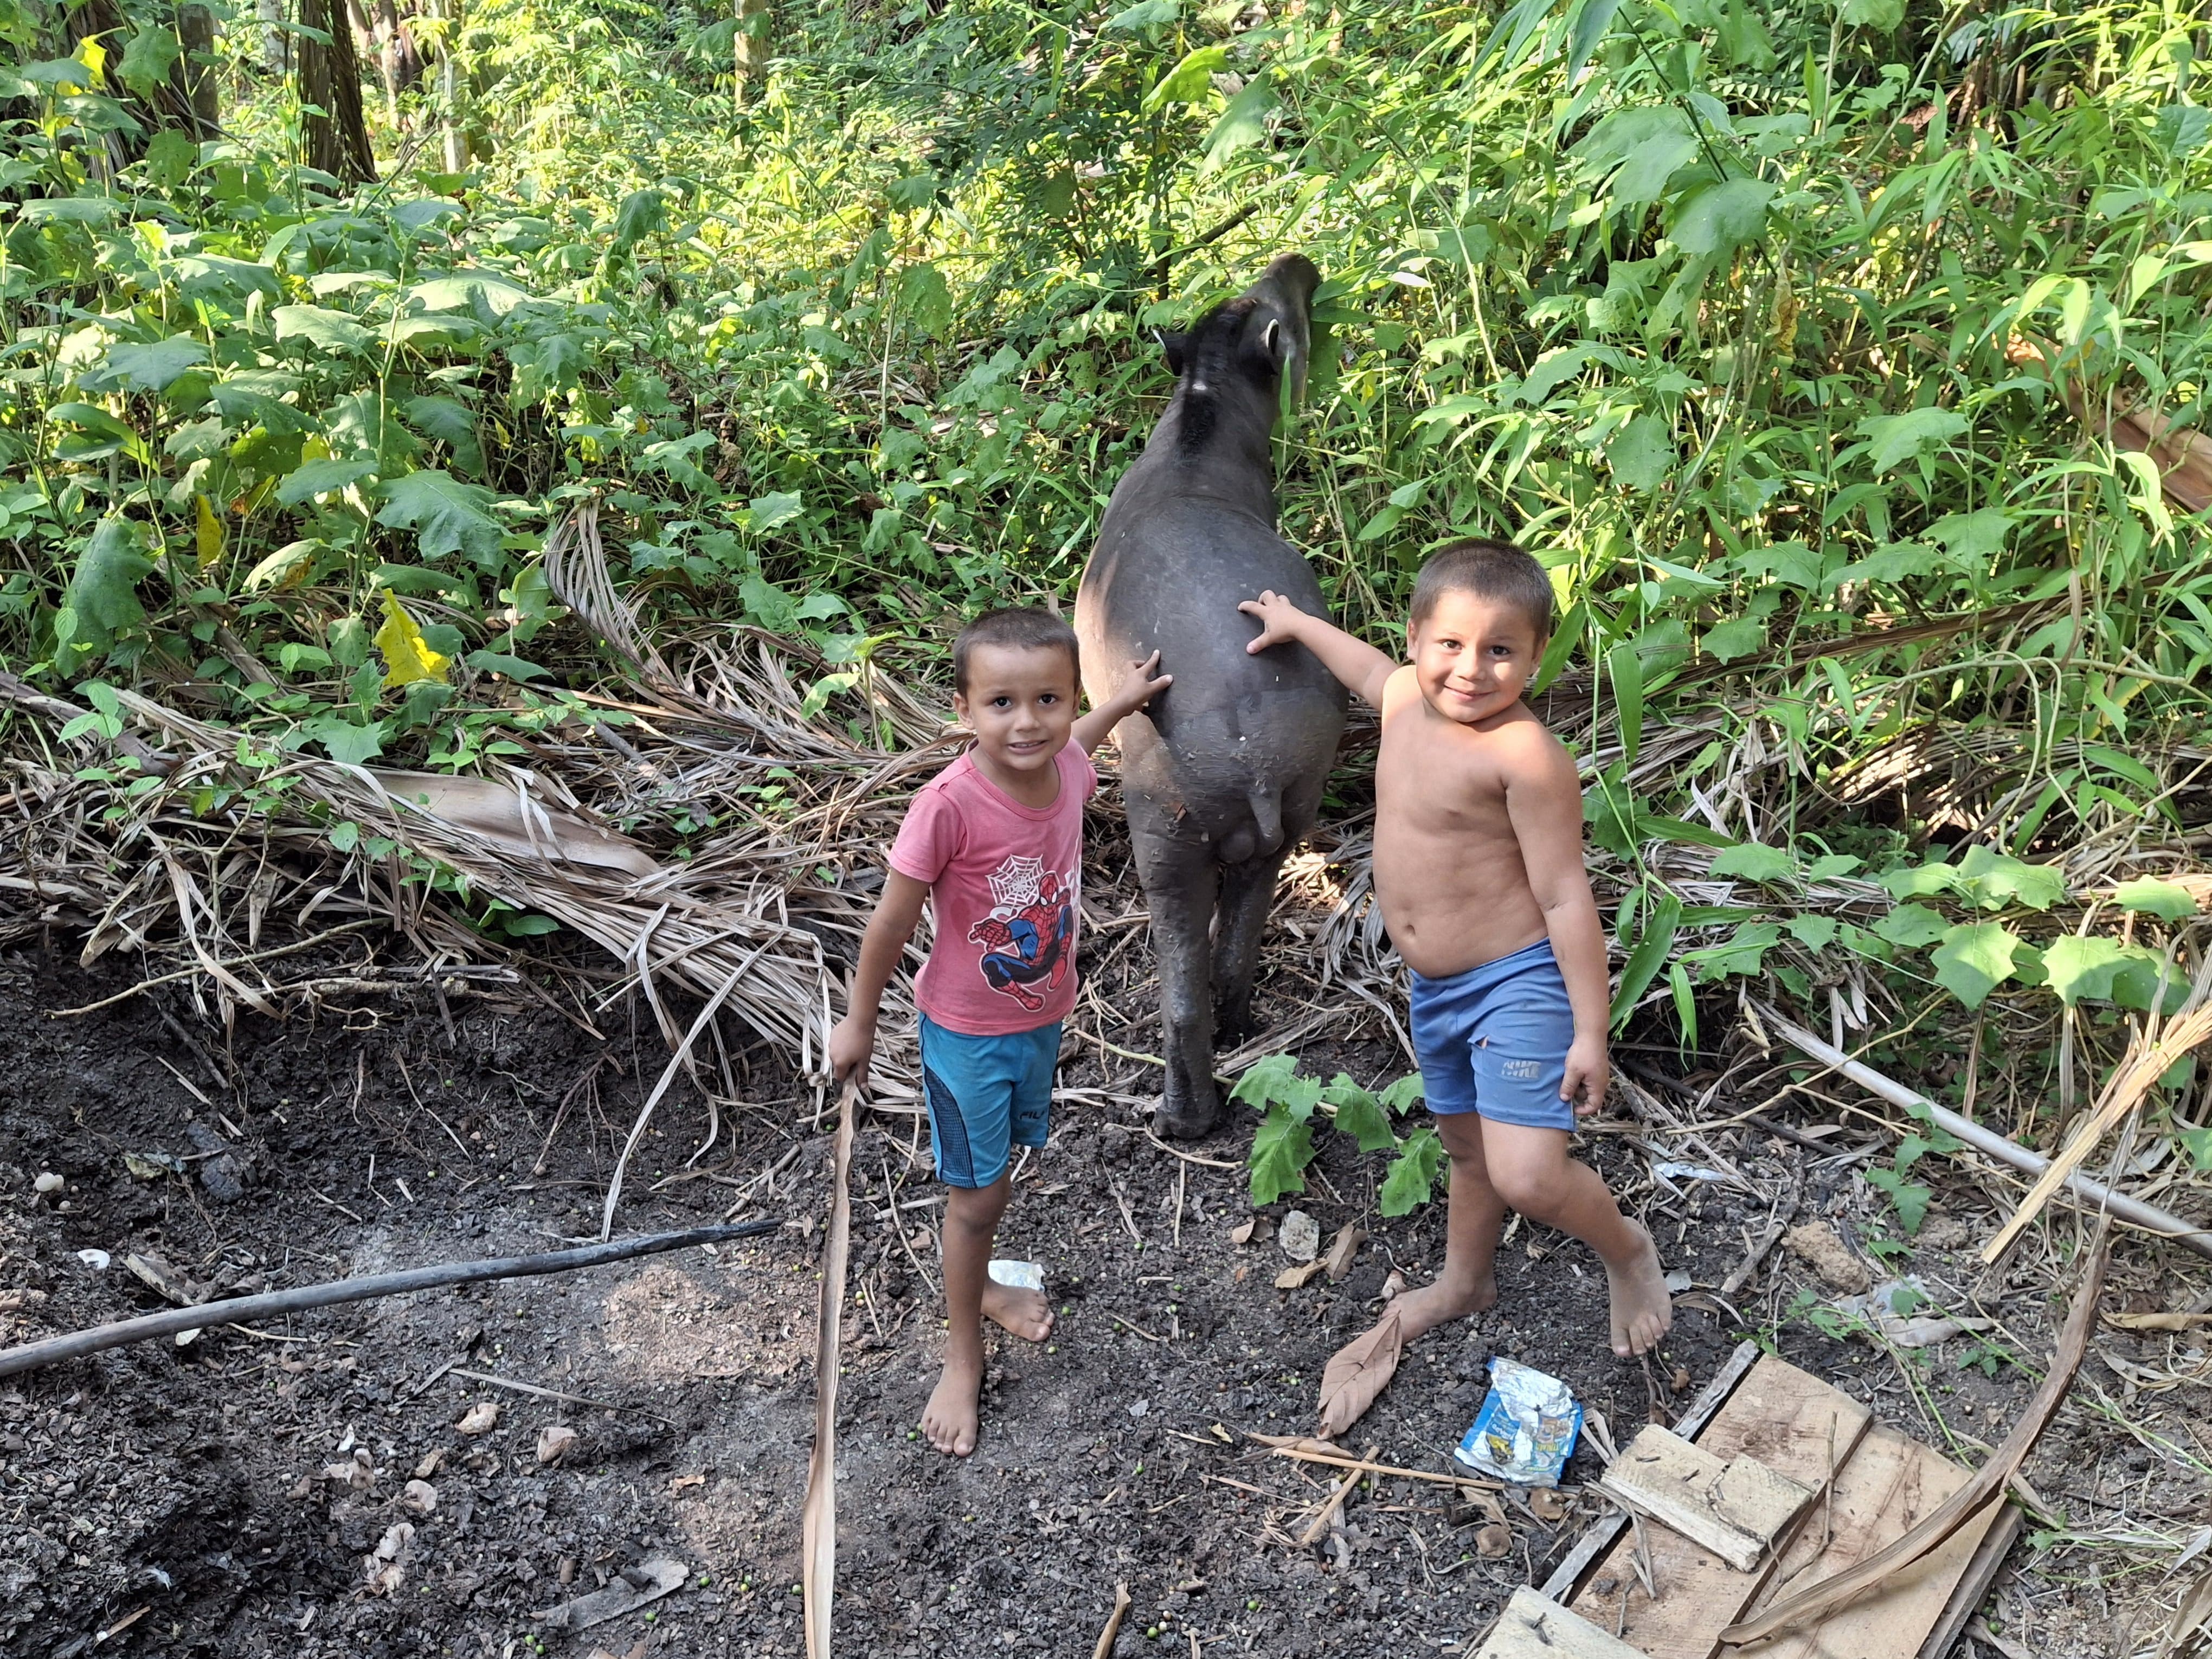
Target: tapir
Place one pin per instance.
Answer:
(1222, 773)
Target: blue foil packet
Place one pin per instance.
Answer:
(1525, 1433)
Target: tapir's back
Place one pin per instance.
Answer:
(1237, 732)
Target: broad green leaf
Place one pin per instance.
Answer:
(774, 511)
(1717, 218)
(1646, 145)
(1242, 126)
(466, 290)
(1401, 1095)
(2162, 899)
(1282, 1146)
(1275, 1081)
(207, 532)
(170, 155)
(1743, 953)
(446, 515)
(1189, 82)
(1895, 440)
(408, 657)
(102, 599)
(2082, 965)
(1360, 1115)
(1642, 453)
(1975, 958)
(1413, 1176)
(147, 367)
(322, 478)
(2197, 1142)
(1593, 19)
(1920, 881)
(1992, 880)
(926, 299)
(1623, 669)
(1738, 637)
(146, 60)
(496, 662)
(1145, 15)
(1755, 862)
(643, 212)
(1973, 537)
(327, 330)
(1913, 926)
(1881, 15)
(347, 743)
(452, 424)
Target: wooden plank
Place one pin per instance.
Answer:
(1890, 1485)
(1792, 1422)
(1966, 1595)
(1535, 1627)
(1733, 1506)
(1598, 1537)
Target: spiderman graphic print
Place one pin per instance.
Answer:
(1029, 934)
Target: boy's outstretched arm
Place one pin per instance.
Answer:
(1364, 670)
(1138, 687)
(897, 911)
(1543, 799)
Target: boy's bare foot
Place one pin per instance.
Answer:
(950, 1419)
(1428, 1307)
(1642, 1309)
(1025, 1313)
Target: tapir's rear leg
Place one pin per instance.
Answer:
(1248, 893)
(1179, 878)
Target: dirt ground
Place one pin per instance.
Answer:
(179, 1498)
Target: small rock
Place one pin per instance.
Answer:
(1548, 1505)
(48, 1182)
(554, 1441)
(1301, 1237)
(356, 1473)
(480, 1418)
(1830, 1257)
(431, 1463)
(1139, 1407)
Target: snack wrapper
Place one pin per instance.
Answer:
(1018, 1275)
(1526, 1430)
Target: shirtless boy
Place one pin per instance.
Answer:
(995, 843)
(1479, 869)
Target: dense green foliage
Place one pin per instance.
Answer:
(1760, 323)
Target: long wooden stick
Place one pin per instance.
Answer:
(2094, 1194)
(818, 1524)
(1365, 1466)
(240, 1310)
(1988, 1485)
(1113, 1623)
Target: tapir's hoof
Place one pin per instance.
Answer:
(1186, 1122)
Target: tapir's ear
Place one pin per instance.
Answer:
(1173, 346)
(1275, 343)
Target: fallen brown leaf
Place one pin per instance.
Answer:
(1548, 1505)
(1341, 1250)
(1253, 1229)
(2157, 1322)
(1493, 1543)
(480, 1418)
(1291, 1279)
(554, 1441)
(419, 1497)
(1356, 1372)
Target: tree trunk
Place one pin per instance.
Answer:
(330, 79)
(276, 44)
(755, 39)
(452, 97)
(196, 71)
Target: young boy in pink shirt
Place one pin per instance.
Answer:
(994, 843)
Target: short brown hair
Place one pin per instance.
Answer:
(1491, 570)
(1023, 628)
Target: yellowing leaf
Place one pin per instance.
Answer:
(314, 449)
(407, 655)
(93, 57)
(206, 531)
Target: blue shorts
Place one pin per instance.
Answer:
(1494, 1040)
(986, 1094)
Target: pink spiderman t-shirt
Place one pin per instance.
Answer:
(1003, 879)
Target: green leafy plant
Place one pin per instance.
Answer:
(1283, 1146)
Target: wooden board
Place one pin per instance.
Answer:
(1967, 1594)
(1532, 1627)
(1733, 1506)
(1889, 1486)
(1792, 1422)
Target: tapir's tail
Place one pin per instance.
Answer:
(1263, 835)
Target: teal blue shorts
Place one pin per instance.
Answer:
(986, 1094)
(1494, 1040)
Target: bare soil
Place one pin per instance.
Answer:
(178, 1497)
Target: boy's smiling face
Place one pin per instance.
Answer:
(1020, 702)
(1472, 657)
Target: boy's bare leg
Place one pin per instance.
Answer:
(1473, 1214)
(971, 1223)
(1535, 1175)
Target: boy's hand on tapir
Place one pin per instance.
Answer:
(1279, 619)
(1590, 1072)
(852, 1042)
(1140, 685)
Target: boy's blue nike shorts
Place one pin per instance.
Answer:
(986, 1096)
(1494, 1040)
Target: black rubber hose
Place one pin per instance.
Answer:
(237, 1310)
